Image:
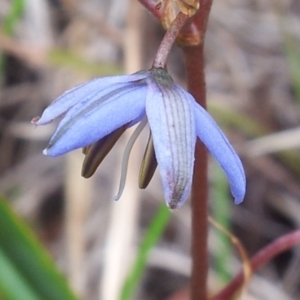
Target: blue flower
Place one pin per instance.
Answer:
(94, 115)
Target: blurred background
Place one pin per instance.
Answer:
(253, 81)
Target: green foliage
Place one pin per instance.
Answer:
(11, 19)
(9, 23)
(293, 60)
(153, 234)
(26, 270)
(69, 59)
(221, 214)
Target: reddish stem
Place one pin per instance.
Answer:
(194, 56)
(195, 65)
(265, 255)
(196, 86)
(168, 41)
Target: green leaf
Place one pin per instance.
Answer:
(153, 234)
(27, 271)
(221, 214)
(12, 286)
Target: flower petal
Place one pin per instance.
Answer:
(86, 123)
(219, 147)
(83, 93)
(172, 124)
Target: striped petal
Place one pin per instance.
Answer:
(85, 93)
(86, 123)
(219, 147)
(172, 125)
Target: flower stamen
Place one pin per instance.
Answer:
(149, 164)
(126, 155)
(96, 152)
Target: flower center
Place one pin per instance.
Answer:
(162, 77)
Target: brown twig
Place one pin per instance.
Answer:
(194, 58)
(265, 255)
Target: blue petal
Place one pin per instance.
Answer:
(172, 125)
(83, 93)
(218, 145)
(86, 123)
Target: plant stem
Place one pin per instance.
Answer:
(168, 41)
(263, 256)
(195, 65)
(194, 57)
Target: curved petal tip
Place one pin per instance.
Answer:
(45, 151)
(238, 201)
(218, 145)
(239, 191)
